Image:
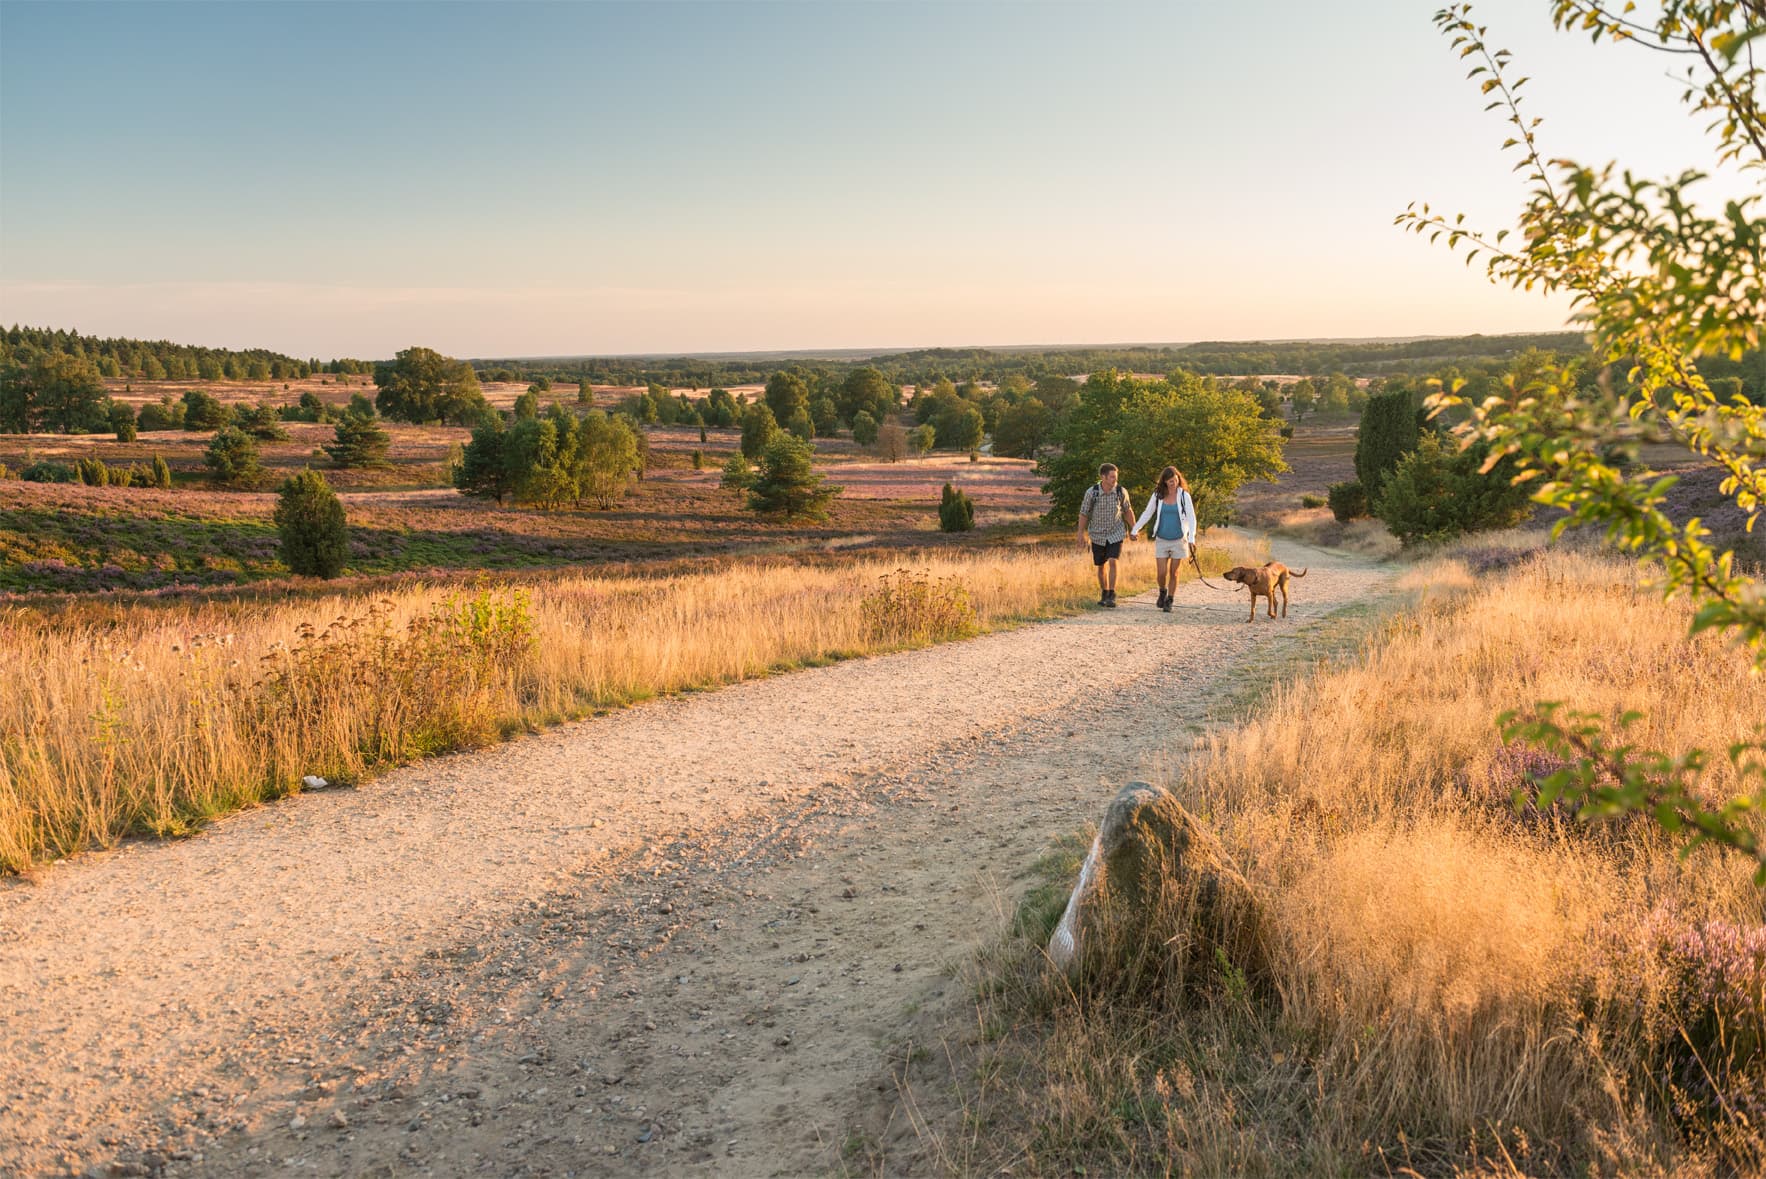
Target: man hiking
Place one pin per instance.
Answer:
(1104, 517)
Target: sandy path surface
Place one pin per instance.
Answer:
(673, 938)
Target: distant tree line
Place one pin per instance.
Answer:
(151, 360)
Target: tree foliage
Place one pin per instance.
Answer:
(310, 523)
(422, 385)
(232, 457)
(758, 428)
(1438, 492)
(359, 438)
(787, 483)
(956, 511)
(1387, 433)
(1662, 285)
(1216, 435)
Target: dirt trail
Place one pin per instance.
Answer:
(674, 937)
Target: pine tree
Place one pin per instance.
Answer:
(310, 521)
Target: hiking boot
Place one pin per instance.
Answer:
(1164, 599)
(1167, 606)
(1104, 598)
(1110, 598)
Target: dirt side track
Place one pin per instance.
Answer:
(670, 939)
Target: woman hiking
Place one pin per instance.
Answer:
(1173, 514)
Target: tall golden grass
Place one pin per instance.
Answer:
(1445, 984)
(154, 718)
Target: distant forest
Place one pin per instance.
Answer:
(926, 366)
(125, 359)
(161, 360)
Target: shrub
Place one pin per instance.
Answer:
(122, 421)
(1715, 1059)
(956, 512)
(698, 460)
(864, 428)
(1313, 501)
(1348, 500)
(232, 457)
(892, 442)
(801, 425)
(165, 415)
(160, 472)
(260, 421)
(1437, 493)
(93, 472)
(203, 411)
(921, 438)
(309, 519)
(45, 471)
(910, 608)
(787, 483)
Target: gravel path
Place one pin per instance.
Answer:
(667, 939)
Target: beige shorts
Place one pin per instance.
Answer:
(1173, 550)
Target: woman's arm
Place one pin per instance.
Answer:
(1145, 515)
(1189, 519)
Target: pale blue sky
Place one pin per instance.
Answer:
(522, 178)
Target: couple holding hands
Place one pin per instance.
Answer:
(1104, 522)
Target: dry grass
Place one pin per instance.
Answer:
(151, 718)
(1444, 984)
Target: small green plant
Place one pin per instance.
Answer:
(908, 607)
(1347, 500)
(122, 421)
(956, 511)
(787, 483)
(310, 521)
(93, 472)
(738, 474)
(698, 460)
(1313, 501)
(161, 473)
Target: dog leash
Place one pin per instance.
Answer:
(1199, 574)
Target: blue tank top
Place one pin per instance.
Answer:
(1170, 520)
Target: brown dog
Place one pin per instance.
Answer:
(1264, 581)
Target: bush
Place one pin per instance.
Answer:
(1348, 500)
(787, 483)
(232, 457)
(309, 519)
(161, 474)
(1313, 501)
(921, 438)
(260, 421)
(122, 421)
(166, 415)
(203, 411)
(908, 607)
(45, 471)
(93, 472)
(864, 428)
(698, 460)
(1437, 493)
(956, 512)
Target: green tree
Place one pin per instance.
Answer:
(738, 474)
(1661, 283)
(1216, 435)
(528, 404)
(160, 473)
(786, 394)
(585, 393)
(959, 427)
(122, 421)
(758, 428)
(59, 393)
(1022, 430)
(310, 522)
(607, 456)
(1438, 492)
(921, 438)
(164, 414)
(824, 417)
(422, 385)
(799, 426)
(261, 422)
(359, 440)
(204, 411)
(864, 428)
(1387, 433)
(787, 483)
(1303, 396)
(482, 472)
(866, 390)
(232, 457)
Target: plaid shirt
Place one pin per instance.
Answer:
(1101, 524)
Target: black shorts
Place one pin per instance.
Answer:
(1105, 552)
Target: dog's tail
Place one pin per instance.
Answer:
(1297, 572)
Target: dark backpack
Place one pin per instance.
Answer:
(1122, 509)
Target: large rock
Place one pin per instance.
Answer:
(1156, 897)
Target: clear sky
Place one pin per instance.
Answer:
(348, 179)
